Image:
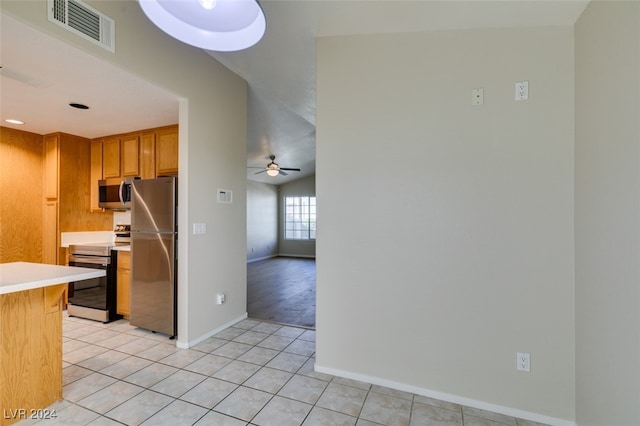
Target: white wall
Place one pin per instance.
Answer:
(607, 214)
(262, 220)
(445, 240)
(300, 187)
(212, 155)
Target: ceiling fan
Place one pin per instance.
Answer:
(273, 169)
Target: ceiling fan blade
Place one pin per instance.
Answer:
(283, 173)
(254, 167)
(261, 171)
(291, 170)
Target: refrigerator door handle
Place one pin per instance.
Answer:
(151, 231)
(120, 192)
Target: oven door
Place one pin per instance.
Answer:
(91, 293)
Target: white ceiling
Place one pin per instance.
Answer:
(41, 75)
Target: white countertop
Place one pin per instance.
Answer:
(20, 276)
(68, 238)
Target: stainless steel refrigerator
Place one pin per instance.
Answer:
(153, 255)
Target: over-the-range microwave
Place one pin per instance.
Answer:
(115, 195)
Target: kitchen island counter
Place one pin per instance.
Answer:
(31, 303)
(20, 276)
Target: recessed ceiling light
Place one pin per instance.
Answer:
(14, 121)
(79, 106)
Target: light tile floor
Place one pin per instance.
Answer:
(255, 373)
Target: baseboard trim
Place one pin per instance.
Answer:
(191, 343)
(508, 411)
(257, 259)
(306, 256)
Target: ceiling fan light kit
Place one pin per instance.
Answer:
(219, 25)
(273, 169)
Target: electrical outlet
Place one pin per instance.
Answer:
(220, 298)
(522, 90)
(477, 96)
(523, 362)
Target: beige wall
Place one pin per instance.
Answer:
(449, 246)
(607, 214)
(262, 220)
(212, 155)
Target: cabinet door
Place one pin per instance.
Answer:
(111, 158)
(130, 156)
(50, 233)
(167, 151)
(148, 156)
(51, 166)
(123, 277)
(96, 174)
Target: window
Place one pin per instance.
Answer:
(300, 218)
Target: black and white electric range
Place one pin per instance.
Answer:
(96, 298)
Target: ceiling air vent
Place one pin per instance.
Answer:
(83, 20)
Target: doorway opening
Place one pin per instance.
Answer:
(282, 290)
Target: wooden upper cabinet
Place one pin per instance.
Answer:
(111, 158)
(120, 157)
(130, 156)
(96, 173)
(167, 151)
(148, 155)
(51, 154)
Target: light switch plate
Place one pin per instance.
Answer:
(199, 228)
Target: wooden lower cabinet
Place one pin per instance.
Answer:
(30, 352)
(123, 275)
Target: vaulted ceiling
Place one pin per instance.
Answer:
(280, 71)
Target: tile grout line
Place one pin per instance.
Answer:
(178, 398)
(204, 353)
(293, 374)
(233, 332)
